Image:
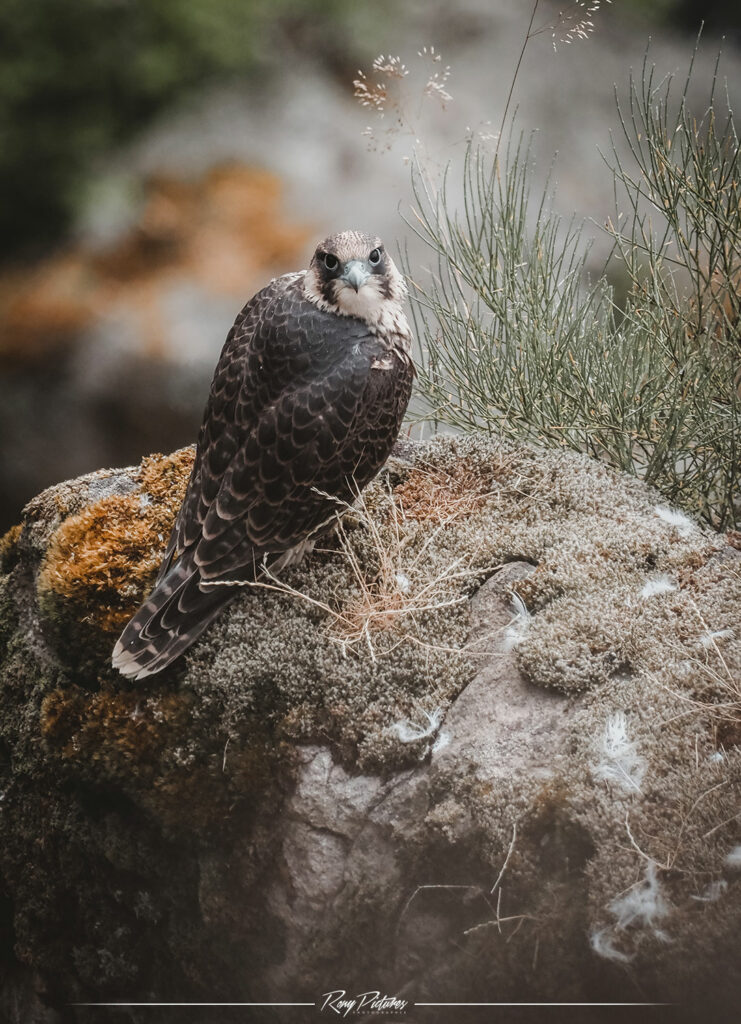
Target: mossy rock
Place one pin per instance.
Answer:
(505, 660)
(102, 560)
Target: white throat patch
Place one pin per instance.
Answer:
(367, 304)
(383, 316)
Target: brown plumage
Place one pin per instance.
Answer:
(305, 405)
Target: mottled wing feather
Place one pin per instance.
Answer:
(295, 408)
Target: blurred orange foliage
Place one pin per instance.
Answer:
(225, 232)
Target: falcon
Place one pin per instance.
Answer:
(306, 402)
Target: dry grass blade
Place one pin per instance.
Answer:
(394, 581)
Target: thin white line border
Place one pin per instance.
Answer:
(122, 1005)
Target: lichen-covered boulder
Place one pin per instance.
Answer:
(482, 746)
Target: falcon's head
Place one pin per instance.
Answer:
(351, 274)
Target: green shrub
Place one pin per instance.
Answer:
(514, 340)
(79, 76)
(75, 77)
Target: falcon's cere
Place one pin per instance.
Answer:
(306, 402)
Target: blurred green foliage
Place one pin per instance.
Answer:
(78, 76)
(720, 17)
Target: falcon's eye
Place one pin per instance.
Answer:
(375, 257)
(331, 262)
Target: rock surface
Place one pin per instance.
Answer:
(483, 746)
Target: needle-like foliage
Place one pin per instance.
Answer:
(516, 339)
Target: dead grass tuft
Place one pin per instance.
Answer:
(437, 494)
(407, 582)
(396, 578)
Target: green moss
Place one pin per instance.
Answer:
(8, 614)
(378, 619)
(472, 504)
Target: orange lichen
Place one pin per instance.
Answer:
(120, 730)
(139, 741)
(222, 229)
(43, 307)
(164, 477)
(9, 548)
(101, 562)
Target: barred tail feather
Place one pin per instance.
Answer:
(173, 616)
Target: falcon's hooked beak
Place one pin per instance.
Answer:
(356, 273)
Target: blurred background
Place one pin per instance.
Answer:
(160, 160)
